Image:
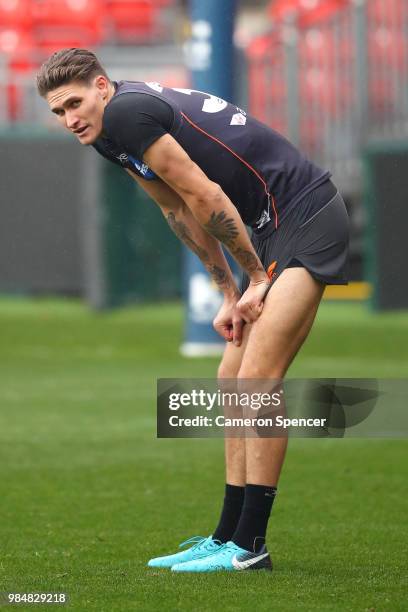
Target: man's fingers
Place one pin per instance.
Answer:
(250, 306)
(248, 318)
(245, 313)
(225, 331)
(227, 334)
(238, 324)
(250, 312)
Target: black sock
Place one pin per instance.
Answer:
(231, 511)
(251, 529)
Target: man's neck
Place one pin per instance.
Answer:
(111, 92)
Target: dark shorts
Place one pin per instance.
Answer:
(315, 236)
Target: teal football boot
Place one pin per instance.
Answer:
(229, 557)
(201, 547)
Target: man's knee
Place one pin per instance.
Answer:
(260, 371)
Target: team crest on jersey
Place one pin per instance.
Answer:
(263, 219)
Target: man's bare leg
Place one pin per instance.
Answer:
(275, 338)
(235, 468)
(234, 447)
(269, 346)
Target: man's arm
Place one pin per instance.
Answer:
(189, 231)
(213, 210)
(205, 246)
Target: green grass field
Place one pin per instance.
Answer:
(88, 493)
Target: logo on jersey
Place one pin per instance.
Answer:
(142, 168)
(155, 86)
(123, 158)
(263, 219)
(212, 104)
(238, 119)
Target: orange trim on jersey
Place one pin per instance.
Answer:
(240, 159)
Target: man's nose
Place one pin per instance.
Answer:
(71, 120)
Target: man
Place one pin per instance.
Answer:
(212, 169)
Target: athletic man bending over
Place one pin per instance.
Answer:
(212, 169)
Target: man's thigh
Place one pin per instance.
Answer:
(287, 317)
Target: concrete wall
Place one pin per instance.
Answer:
(73, 223)
(40, 200)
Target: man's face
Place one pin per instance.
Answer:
(79, 107)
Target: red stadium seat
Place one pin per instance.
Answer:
(279, 10)
(385, 13)
(256, 76)
(387, 60)
(17, 54)
(388, 46)
(317, 11)
(319, 47)
(67, 23)
(311, 134)
(325, 90)
(316, 46)
(15, 42)
(15, 13)
(267, 89)
(132, 20)
(83, 13)
(308, 12)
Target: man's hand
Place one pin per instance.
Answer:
(251, 304)
(228, 322)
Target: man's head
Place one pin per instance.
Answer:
(77, 90)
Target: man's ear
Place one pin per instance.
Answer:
(101, 83)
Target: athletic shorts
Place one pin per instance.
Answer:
(314, 236)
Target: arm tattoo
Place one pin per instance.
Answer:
(248, 260)
(222, 228)
(225, 230)
(181, 230)
(220, 276)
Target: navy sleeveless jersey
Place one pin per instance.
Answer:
(262, 173)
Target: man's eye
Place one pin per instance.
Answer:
(76, 103)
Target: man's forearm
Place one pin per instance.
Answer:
(220, 218)
(188, 230)
(205, 246)
(209, 204)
